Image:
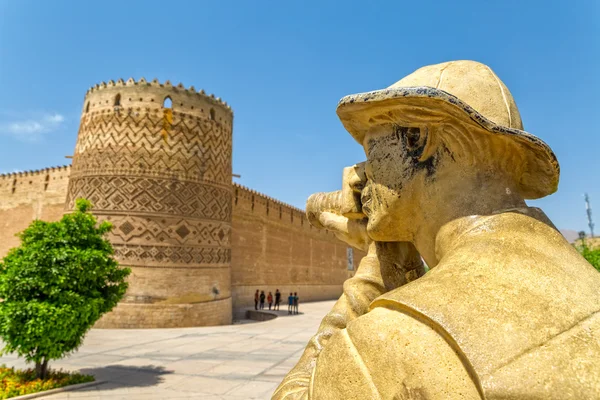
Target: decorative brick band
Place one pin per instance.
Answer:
(172, 256)
(167, 231)
(152, 195)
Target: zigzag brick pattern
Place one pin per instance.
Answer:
(124, 144)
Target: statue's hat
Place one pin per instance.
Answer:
(469, 92)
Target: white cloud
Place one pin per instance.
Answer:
(56, 118)
(32, 127)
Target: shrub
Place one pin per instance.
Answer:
(591, 255)
(56, 285)
(17, 383)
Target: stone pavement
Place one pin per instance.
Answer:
(242, 361)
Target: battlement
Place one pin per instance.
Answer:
(245, 192)
(142, 95)
(248, 202)
(38, 172)
(155, 83)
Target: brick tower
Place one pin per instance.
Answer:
(155, 160)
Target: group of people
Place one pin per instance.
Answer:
(260, 297)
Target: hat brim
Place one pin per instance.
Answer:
(359, 112)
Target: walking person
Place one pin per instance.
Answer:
(277, 299)
(296, 299)
(290, 303)
(262, 299)
(256, 300)
(270, 300)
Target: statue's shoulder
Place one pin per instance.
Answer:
(511, 299)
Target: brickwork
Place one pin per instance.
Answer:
(274, 247)
(144, 316)
(25, 196)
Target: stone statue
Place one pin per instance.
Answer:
(509, 309)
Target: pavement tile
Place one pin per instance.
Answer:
(189, 366)
(254, 388)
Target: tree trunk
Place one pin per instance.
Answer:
(41, 369)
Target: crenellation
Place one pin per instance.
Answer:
(272, 209)
(35, 172)
(244, 189)
(151, 96)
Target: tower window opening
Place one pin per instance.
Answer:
(118, 100)
(87, 108)
(212, 114)
(168, 103)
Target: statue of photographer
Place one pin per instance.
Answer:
(509, 310)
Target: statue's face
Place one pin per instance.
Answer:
(396, 173)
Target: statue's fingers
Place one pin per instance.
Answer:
(334, 222)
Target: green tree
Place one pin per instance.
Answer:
(591, 255)
(56, 285)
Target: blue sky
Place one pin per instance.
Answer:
(283, 65)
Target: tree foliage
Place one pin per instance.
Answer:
(56, 285)
(591, 255)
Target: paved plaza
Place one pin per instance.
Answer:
(242, 361)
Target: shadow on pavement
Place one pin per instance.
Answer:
(251, 315)
(121, 376)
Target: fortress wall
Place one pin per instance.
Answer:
(274, 247)
(25, 196)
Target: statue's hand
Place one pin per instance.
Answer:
(351, 231)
